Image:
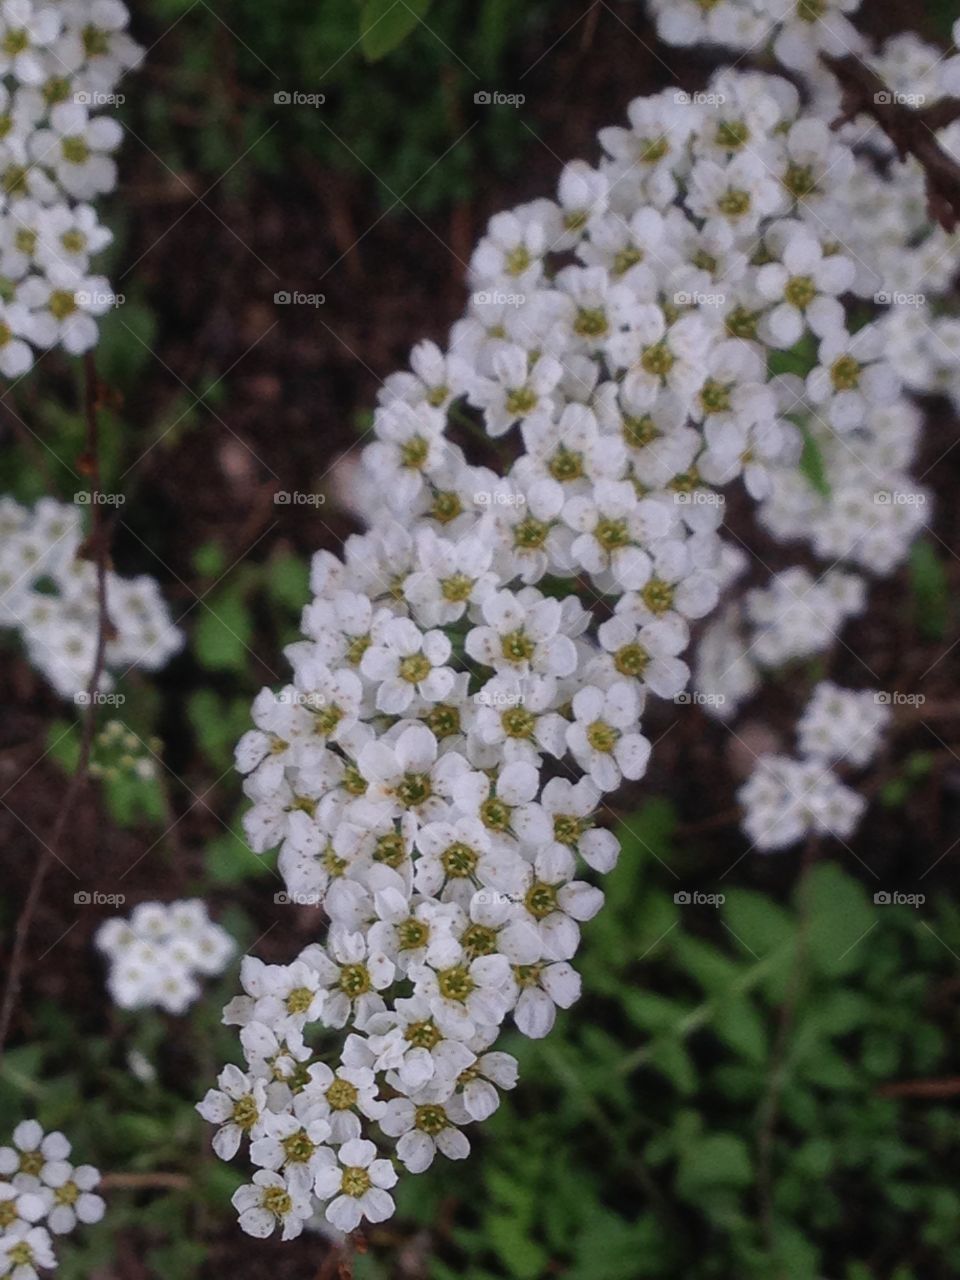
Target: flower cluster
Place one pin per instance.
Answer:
(48, 592)
(787, 799)
(41, 1195)
(60, 63)
(160, 954)
(475, 667)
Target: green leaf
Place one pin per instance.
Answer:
(717, 1159)
(741, 1028)
(230, 860)
(757, 923)
(384, 24)
(288, 582)
(928, 583)
(812, 465)
(839, 919)
(521, 1255)
(222, 634)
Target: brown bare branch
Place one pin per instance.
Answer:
(98, 550)
(911, 130)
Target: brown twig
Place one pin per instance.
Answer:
(145, 1182)
(96, 548)
(912, 130)
(920, 1089)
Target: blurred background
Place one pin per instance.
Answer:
(763, 1087)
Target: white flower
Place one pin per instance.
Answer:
(424, 1127)
(236, 1106)
(35, 1157)
(603, 736)
(407, 661)
(358, 1183)
(73, 1198)
(272, 1201)
(522, 635)
(25, 1250)
(519, 388)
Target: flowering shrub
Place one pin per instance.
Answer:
(41, 1193)
(475, 668)
(60, 64)
(48, 592)
(157, 956)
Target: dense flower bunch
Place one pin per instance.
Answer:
(41, 1195)
(787, 799)
(159, 955)
(48, 593)
(60, 63)
(475, 667)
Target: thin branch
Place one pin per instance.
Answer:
(920, 1089)
(911, 130)
(145, 1182)
(96, 547)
